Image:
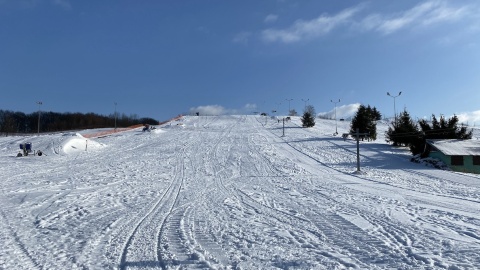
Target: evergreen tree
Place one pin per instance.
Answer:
(376, 114)
(308, 118)
(404, 131)
(292, 112)
(373, 117)
(365, 121)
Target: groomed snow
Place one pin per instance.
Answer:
(230, 192)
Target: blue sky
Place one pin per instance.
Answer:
(162, 58)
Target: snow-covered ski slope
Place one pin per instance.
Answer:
(229, 192)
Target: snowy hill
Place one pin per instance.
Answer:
(230, 192)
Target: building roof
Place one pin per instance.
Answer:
(457, 147)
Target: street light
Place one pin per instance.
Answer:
(289, 99)
(115, 116)
(305, 107)
(335, 102)
(394, 109)
(39, 104)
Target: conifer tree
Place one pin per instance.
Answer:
(404, 131)
(376, 114)
(365, 121)
(308, 118)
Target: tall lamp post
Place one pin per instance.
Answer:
(289, 99)
(394, 109)
(305, 100)
(115, 115)
(335, 102)
(39, 104)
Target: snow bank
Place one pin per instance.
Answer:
(79, 143)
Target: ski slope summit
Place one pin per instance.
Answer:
(231, 192)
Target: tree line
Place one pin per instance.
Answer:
(403, 130)
(18, 122)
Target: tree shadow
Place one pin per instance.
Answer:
(380, 155)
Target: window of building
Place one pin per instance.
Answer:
(476, 160)
(457, 160)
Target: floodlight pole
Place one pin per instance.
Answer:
(39, 104)
(115, 116)
(289, 99)
(305, 100)
(335, 102)
(394, 109)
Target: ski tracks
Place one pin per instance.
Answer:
(168, 236)
(145, 247)
(13, 247)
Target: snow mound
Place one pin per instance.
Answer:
(78, 143)
(430, 162)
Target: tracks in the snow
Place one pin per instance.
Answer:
(146, 246)
(13, 246)
(165, 236)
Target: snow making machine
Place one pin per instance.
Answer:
(26, 149)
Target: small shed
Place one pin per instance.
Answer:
(459, 155)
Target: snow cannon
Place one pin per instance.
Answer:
(26, 148)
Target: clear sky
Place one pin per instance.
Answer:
(162, 58)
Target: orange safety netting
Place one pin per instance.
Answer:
(108, 132)
(111, 131)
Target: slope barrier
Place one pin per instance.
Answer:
(108, 132)
(171, 120)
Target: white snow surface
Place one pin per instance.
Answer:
(230, 192)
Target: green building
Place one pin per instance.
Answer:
(459, 155)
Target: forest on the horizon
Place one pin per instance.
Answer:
(18, 122)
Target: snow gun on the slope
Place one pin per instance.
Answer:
(26, 148)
